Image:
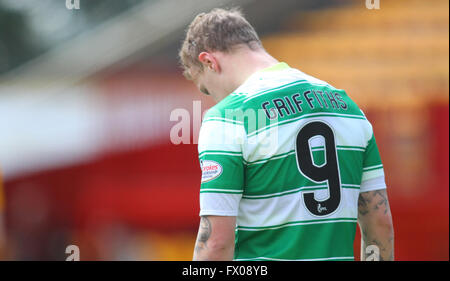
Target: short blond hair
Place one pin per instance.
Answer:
(218, 30)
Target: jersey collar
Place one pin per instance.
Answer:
(276, 67)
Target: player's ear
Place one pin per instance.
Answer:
(209, 61)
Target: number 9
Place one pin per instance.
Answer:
(327, 173)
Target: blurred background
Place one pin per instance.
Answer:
(86, 97)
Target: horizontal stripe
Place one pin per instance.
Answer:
(377, 168)
(373, 167)
(295, 223)
(281, 139)
(206, 190)
(286, 154)
(370, 168)
(340, 147)
(318, 259)
(299, 242)
(275, 157)
(219, 136)
(270, 195)
(280, 175)
(367, 175)
(219, 152)
(250, 93)
(254, 86)
(351, 147)
(350, 186)
(229, 177)
(306, 116)
(276, 210)
(304, 188)
(298, 82)
(272, 80)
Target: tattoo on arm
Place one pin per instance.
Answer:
(372, 201)
(373, 206)
(204, 233)
(362, 205)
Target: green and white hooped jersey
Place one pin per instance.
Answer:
(288, 155)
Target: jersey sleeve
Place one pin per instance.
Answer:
(373, 172)
(221, 161)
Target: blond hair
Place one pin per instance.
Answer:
(218, 30)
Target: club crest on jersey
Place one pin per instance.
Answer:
(320, 208)
(210, 170)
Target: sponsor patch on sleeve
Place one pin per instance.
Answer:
(210, 170)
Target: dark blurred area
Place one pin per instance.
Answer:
(86, 98)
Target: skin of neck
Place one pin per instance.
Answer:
(237, 66)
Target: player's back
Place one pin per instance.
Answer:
(305, 149)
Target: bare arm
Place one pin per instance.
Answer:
(375, 221)
(215, 239)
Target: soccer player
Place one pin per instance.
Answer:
(289, 162)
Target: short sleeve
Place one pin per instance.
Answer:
(222, 165)
(373, 172)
